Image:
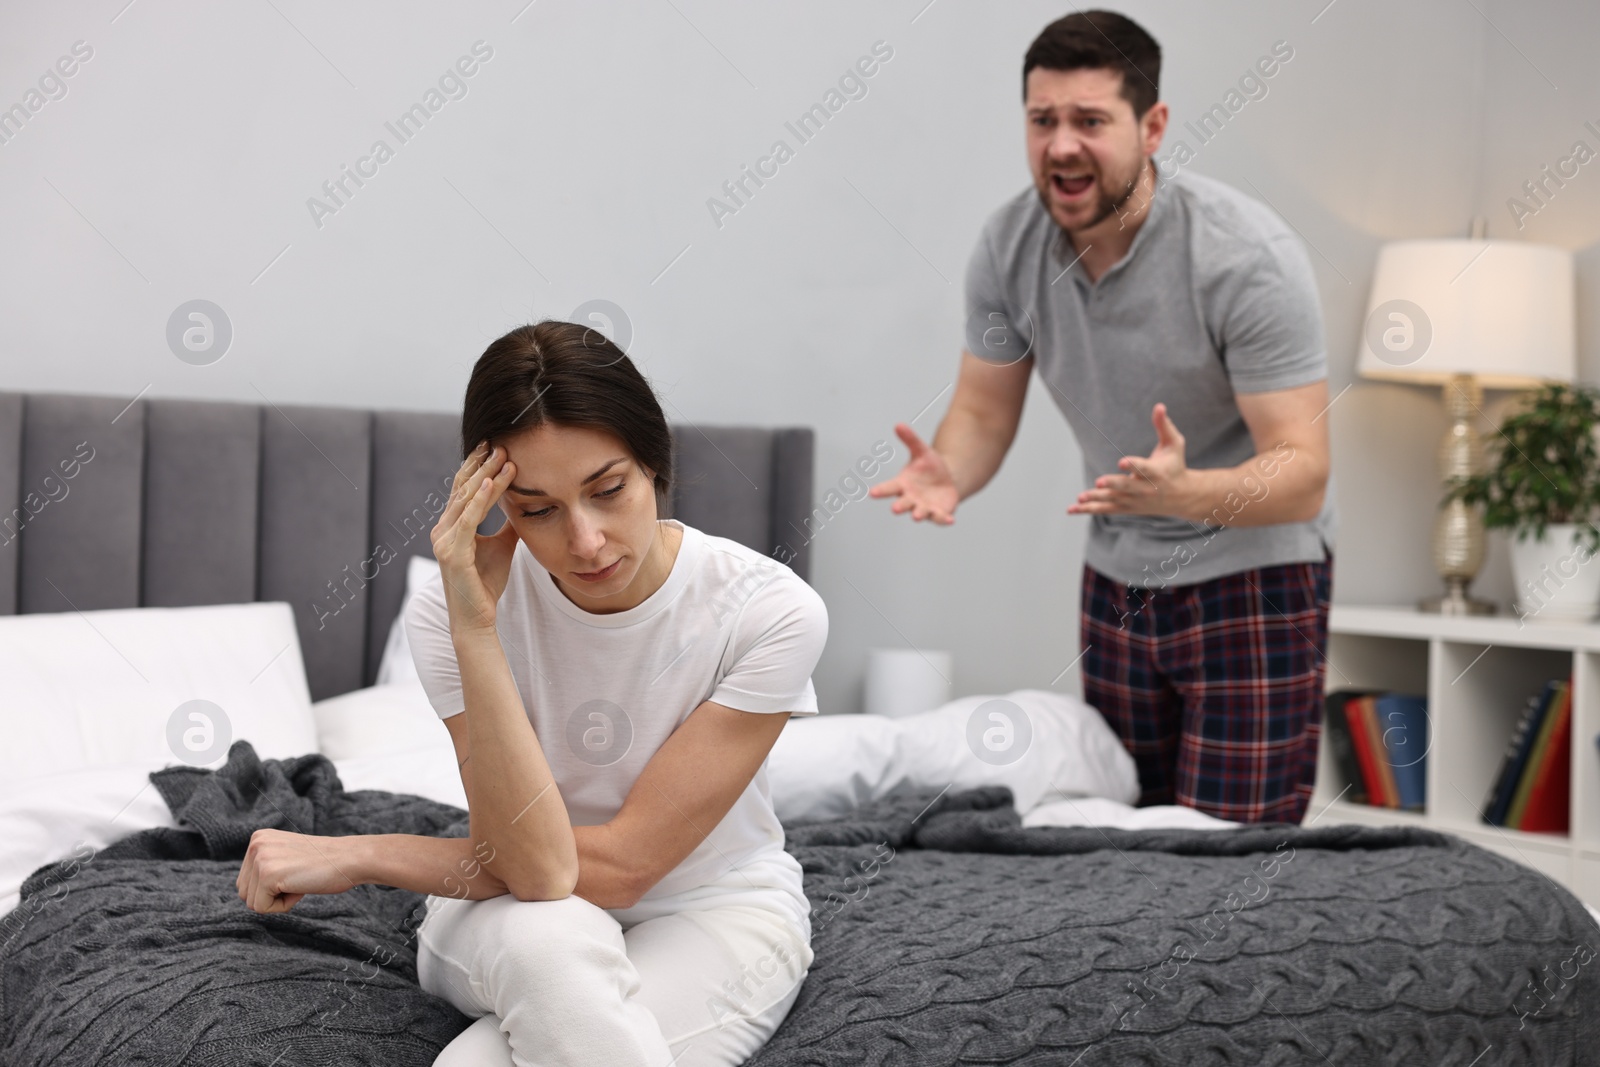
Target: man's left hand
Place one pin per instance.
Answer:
(1155, 485)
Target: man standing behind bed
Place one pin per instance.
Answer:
(1147, 303)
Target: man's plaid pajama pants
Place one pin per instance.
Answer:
(1215, 687)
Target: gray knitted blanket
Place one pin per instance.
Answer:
(143, 954)
(947, 934)
(943, 933)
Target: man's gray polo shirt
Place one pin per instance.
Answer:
(1214, 297)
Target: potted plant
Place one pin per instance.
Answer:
(1544, 480)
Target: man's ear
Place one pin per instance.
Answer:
(1153, 127)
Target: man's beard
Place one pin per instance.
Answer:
(1107, 203)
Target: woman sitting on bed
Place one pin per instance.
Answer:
(613, 683)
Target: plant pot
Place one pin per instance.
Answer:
(1557, 579)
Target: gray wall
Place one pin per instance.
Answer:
(578, 166)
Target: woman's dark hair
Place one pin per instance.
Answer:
(1100, 40)
(570, 375)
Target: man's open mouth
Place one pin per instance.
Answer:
(1073, 185)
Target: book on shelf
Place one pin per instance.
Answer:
(1380, 753)
(1505, 782)
(1530, 792)
(1379, 740)
(1336, 728)
(1359, 714)
(1536, 756)
(1547, 810)
(1403, 726)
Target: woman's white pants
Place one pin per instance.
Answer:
(561, 983)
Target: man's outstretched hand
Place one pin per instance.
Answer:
(925, 487)
(1157, 485)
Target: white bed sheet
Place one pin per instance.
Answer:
(1101, 811)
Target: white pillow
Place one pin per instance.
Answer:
(1043, 745)
(379, 720)
(824, 765)
(827, 765)
(423, 772)
(56, 816)
(397, 666)
(150, 686)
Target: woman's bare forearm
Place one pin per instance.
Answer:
(459, 866)
(608, 877)
(443, 866)
(515, 808)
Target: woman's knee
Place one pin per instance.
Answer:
(462, 928)
(526, 941)
(568, 922)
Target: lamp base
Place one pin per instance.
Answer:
(1455, 601)
(1458, 535)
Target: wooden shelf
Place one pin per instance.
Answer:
(1476, 672)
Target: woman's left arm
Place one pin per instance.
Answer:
(685, 789)
(676, 802)
(703, 766)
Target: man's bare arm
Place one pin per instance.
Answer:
(1286, 480)
(971, 442)
(982, 421)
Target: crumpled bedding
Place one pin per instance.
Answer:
(944, 933)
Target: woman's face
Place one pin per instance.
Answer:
(586, 509)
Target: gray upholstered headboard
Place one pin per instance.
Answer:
(168, 503)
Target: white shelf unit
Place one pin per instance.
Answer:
(1477, 672)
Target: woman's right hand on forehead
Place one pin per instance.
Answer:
(475, 568)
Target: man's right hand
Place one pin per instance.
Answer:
(925, 486)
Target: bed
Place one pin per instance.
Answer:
(209, 588)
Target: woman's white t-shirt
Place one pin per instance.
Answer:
(603, 691)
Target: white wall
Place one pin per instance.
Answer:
(578, 167)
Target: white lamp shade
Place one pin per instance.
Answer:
(1500, 310)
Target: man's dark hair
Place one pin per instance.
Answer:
(1100, 40)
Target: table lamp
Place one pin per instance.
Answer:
(1467, 314)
